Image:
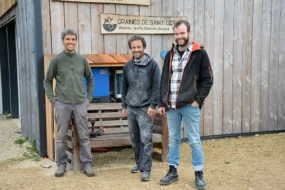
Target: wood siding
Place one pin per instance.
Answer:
(244, 40)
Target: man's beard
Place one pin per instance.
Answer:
(186, 41)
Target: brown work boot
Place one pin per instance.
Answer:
(88, 170)
(60, 171)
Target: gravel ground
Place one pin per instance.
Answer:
(10, 130)
(251, 163)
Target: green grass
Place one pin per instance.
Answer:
(31, 150)
(20, 141)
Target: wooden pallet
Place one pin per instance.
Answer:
(109, 116)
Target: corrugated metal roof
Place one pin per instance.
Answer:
(103, 60)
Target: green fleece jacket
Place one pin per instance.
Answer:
(69, 70)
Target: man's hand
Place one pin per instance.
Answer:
(162, 110)
(124, 112)
(151, 112)
(195, 104)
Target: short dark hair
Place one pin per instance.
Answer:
(137, 37)
(68, 32)
(179, 22)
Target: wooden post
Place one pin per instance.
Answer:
(164, 153)
(76, 159)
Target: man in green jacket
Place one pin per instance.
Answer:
(69, 69)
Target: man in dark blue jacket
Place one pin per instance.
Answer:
(140, 96)
(185, 83)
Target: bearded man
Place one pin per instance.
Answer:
(185, 83)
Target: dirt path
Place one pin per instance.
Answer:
(253, 163)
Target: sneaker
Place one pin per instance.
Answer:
(60, 171)
(88, 170)
(135, 169)
(170, 177)
(199, 180)
(145, 175)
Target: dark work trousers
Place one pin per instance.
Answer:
(63, 113)
(140, 127)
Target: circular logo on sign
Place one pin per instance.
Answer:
(108, 26)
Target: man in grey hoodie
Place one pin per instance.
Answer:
(140, 95)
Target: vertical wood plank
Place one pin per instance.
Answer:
(146, 11)
(23, 71)
(228, 68)
(122, 39)
(133, 10)
(246, 61)
(189, 13)
(209, 47)
(237, 66)
(199, 31)
(273, 73)
(1, 6)
(256, 59)
(281, 74)
(76, 151)
(218, 68)
(57, 25)
(46, 26)
(84, 29)
(265, 62)
(167, 10)
(49, 121)
(32, 82)
(97, 37)
(178, 8)
(199, 21)
(71, 18)
(110, 40)
(156, 42)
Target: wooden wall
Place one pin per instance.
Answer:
(6, 5)
(29, 69)
(244, 39)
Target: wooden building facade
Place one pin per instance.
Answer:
(244, 39)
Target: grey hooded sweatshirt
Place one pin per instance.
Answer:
(141, 81)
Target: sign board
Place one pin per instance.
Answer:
(126, 24)
(130, 2)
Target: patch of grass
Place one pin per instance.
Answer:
(20, 141)
(8, 115)
(267, 155)
(32, 152)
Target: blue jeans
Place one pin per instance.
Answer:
(191, 119)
